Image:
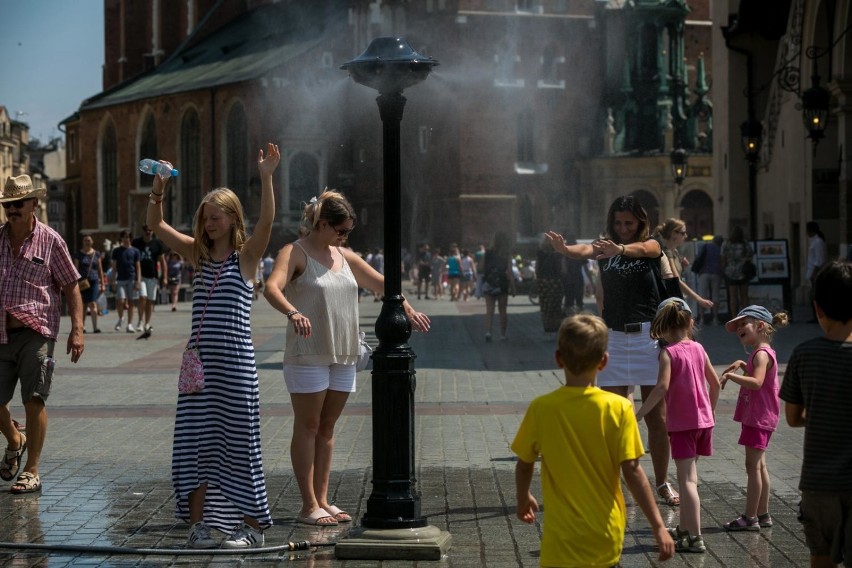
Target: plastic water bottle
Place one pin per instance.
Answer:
(155, 168)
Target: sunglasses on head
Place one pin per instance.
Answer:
(17, 204)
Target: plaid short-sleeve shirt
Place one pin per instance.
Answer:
(30, 283)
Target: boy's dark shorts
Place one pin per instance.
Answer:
(827, 522)
(27, 357)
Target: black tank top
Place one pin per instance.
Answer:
(630, 289)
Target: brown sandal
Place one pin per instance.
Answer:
(12, 461)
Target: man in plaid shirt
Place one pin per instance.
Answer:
(34, 266)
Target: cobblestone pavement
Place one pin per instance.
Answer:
(106, 464)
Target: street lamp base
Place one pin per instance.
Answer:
(424, 543)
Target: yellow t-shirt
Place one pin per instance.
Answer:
(583, 434)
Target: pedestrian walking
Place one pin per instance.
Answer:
(708, 265)
(377, 262)
(175, 272)
(758, 407)
(468, 277)
(88, 264)
(817, 257)
(586, 439)
(497, 282)
(424, 270)
(127, 278)
(454, 272)
(34, 266)
(738, 267)
(439, 272)
(152, 264)
(690, 406)
(217, 465)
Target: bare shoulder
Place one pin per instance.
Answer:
(349, 254)
(291, 254)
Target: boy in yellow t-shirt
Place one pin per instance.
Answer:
(586, 437)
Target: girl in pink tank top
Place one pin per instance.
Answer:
(757, 408)
(684, 368)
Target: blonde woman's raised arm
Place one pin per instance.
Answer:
(255, 246)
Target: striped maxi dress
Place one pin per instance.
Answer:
(217, 431)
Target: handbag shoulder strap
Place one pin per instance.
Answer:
(209, 295)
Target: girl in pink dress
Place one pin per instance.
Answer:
(684, 368)
(757, 408)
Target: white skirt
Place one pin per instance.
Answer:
(633, 359)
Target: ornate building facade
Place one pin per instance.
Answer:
(766, 61)
(540, 112)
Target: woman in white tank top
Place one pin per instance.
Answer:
(315, 284)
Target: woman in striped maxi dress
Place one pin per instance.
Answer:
(217, 469)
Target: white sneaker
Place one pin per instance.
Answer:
(118, 324)
(244, 536)
(199, 536)
(130, 328)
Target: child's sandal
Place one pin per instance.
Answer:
(669, 495)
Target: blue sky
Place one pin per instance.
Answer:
(51, 54)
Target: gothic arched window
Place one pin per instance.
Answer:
(189, 180)
(237, 153)
(109, 176)
(148, 148)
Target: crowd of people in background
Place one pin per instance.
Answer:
(135, 275)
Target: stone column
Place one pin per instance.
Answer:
(841, 91)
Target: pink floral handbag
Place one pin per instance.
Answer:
(191, 377)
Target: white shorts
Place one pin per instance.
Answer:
(633, 359)
(149, 288)
(315, 378)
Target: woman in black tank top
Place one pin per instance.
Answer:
(627, 296)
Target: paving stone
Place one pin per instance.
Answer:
(106, 465)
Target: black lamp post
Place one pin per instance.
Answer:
(751, 132)
(389, 65)
(751, 135)
(815, 103)
(678, 163)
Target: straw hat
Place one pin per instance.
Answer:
(20, 187)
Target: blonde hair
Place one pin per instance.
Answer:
(582, 342)
(670, 225)
(779, 320)
(227, 201)
(671, 317)
(331, 206)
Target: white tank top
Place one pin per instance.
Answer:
(329, 300)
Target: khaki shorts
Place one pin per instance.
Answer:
(827, 522)
(27, 357)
